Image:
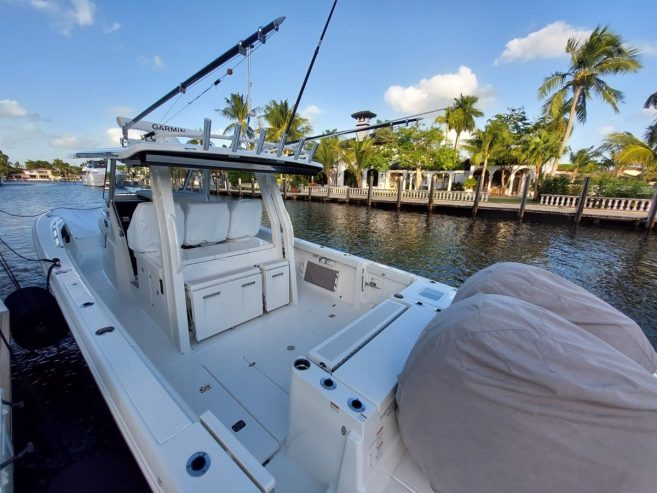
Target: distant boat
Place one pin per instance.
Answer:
(94, 172)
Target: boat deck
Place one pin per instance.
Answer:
(243, 374)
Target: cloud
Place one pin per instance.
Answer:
(606, 129)
(155, 62)
(11, 108)
(437, 92)
(549, 42)
(113, 135)
(311, 111)
(121, 110)
(66, 15)
(647, 48)
(114, 26)
(65, 142)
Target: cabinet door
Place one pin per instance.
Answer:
(225, 305)
(277, 287)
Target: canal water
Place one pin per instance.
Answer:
(66, 417)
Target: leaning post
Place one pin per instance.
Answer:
(582, 200)
(431, 181)
(399, 192)
(475, 206)
(523, 200)
(370, 181)
(650, 220)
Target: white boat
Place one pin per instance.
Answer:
(94, 174)
(235, 357)
(229, 351)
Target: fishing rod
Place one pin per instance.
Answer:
(310, 68)
(260, 36)
(388, 123)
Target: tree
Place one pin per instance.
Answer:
(277, 114)
(602, 53)
(5, 165)
(538, 147)
(651, 131)
(627, 150)
(238, 111)
(359, 156)
(484, 143)
(584, 161)
(460, 117)
(39, 164)
(329, 153)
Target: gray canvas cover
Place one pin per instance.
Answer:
(572, 302)
(499, 395)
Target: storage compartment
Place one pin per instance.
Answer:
(217, 304)
(276, 282)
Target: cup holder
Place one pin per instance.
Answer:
(198, 464)
(302, 364)
(327, 383)
(356, 405)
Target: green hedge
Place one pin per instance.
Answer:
(600, 186)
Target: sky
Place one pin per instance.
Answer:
(69, 67)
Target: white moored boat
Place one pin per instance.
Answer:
(230, 353)
(94, 173)
(235, 357)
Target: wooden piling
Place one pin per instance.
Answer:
(252, 187)
(227, 183)
(582, 200)
(370, 181)
(650, 220)
(399, 192)
(285, 188)
(310, 193)
(475, 206)
(348, 193)
(523, 200)
(430, 203)
(328, 192)
(239, 187)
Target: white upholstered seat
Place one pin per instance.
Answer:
(143, 234)
(245, 216)
(205, 222)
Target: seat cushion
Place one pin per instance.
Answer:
(205, 222)
(143, 234)
(245, 218)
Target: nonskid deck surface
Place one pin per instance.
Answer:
(241, 375)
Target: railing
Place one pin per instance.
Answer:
(608, 203)
(391, 194)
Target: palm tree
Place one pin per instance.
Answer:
(237, 110)
(538, 147)
(277, 114)
(329, 153)
(359, 155)
(627, 150)
(602, 53)
(485, 142)
(651, 131)
(460, 117)
(584, 160)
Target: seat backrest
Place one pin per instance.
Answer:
(143, 234)
(245, 218)
(205, 222)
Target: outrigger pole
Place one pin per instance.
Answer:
(260, 36)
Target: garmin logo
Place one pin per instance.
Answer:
(166, 128)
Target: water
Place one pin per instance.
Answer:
(618, 266)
